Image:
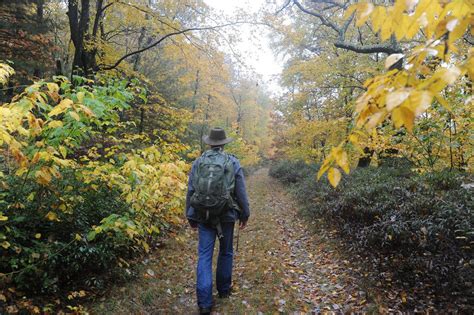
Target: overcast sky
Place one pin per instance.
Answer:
(255, 52)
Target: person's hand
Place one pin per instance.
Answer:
(193, 224)
(243, 224)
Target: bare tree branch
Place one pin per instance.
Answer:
(386, 48)
(287, 3)
(333, 3)
(156, 43)
(391, 47)
(321, 18)
(343, 87)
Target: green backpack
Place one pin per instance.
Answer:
(213, 184)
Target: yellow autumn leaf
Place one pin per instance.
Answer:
(413, 29)
(402, 116)
(51, 216)
(324, 167)
(343, 162)
(450, 75)
(354, 139)
(374, 120)
(443, 102)
(31, 196)
(386, 29)
(146, 247)
(402, 25)
(80, 97)
(458, 31)
(350, 10)
(392, 59)
(61, 107)
(5, 244)
(3, 218)
(43, 176)
(55, 124)
(442, 78)
(334, 176)
(75, 116)
(395, 98)
(420, 101)
(86, 111)
(63, 151)
(378, 17)
(403, 296)
(5, 72)
(363, 13)
(52, 87)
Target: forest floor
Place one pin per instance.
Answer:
(283, 264)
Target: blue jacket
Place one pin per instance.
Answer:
(240, 195)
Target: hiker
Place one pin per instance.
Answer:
(216, 199)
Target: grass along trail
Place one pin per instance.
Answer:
(282, 265)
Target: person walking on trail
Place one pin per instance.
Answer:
(216, 199)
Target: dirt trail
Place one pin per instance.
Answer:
(282, 265)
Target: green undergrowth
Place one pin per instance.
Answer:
(418, 228)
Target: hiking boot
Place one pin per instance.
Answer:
(205, 310)
(224, 295)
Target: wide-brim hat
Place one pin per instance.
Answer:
(216, 137)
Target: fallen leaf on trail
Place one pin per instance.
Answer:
(403, 295)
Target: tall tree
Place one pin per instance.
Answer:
(83, 38)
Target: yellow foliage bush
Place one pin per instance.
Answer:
(63, 151)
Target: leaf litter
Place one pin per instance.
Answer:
(284, 265)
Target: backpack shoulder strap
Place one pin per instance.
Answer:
(230, 178)
(197, 173)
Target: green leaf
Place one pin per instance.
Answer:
(91, 235)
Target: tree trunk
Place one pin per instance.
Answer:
(142, 120)
(196, 87)
(365, 160)
(141, 40)
(84, 62)
(205, 123)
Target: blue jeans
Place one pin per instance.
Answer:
(207, 239)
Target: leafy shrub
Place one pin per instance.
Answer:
(79, 193)
(290, 172)
(46, 255)
(425, 220)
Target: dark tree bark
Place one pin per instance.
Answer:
(142, 120)
(59, 67)
(365, 160)
(80, 20)
(84, 62)
(196, 87)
